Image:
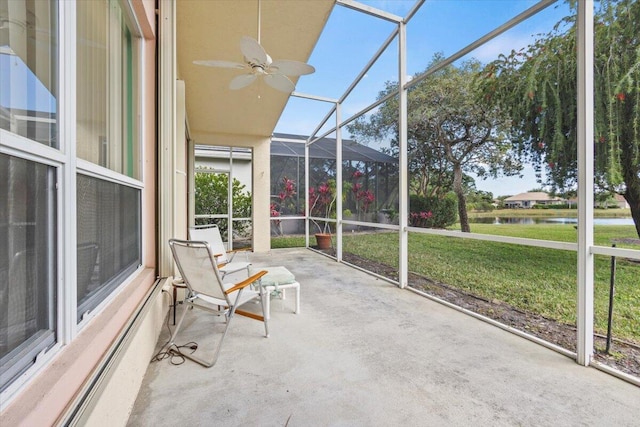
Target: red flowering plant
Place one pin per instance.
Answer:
(421, 219)
(363, 198)
(284, 204)
(322, 204)
(275, 223)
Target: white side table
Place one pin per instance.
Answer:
(276, 281)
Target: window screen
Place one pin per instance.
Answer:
(109, 248)
(28, 260)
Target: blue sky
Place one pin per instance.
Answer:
(351, 38)
(349, 41)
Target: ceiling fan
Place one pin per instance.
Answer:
(258, 64)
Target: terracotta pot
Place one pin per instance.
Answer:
(323, 240)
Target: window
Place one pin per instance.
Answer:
(108, 218)
(36, 279)
(108, 213)
(107, 82)
(28, 200)
(27, 263)
(28, 64)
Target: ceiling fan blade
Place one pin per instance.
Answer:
(241, 81)
(291, 68)
(253, 52)
(220, 64)
(279, 82)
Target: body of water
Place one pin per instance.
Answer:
(548, 220)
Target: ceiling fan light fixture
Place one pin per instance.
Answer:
(257, 63)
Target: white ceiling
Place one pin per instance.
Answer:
(212, 29)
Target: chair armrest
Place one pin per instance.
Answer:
(246, 282)
(239, 250)
(233, 252)
(215, 258)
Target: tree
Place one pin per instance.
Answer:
(480, 200)
(449, 133)
(211, 191)
(429, 171)
(536, 86)
(537, 190)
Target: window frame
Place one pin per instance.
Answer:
(66, 166)
(32, 347)
(94, 170)
(108, 175)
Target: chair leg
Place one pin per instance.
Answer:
(172, 341)
(297, 291)
(266, 305)
(265, 298)
(206, 364)
(224, 334)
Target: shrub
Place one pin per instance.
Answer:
(211, 198)
(555, 206)
(484, 206)
(433, 212)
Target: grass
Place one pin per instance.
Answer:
(287, 242)
(538, 280)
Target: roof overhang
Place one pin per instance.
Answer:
(287, 145)
(212, 30)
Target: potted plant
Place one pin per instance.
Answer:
(322, 201)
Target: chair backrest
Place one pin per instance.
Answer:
(197, 267)
(211, 235)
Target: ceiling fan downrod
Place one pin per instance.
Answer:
(259, 12)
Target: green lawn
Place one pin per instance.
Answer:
(287, 242)
(534, 279)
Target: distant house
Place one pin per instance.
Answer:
(529, 200)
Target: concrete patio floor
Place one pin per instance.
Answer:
(363, 352)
